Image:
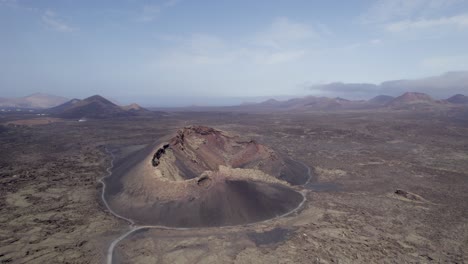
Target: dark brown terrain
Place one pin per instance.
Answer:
(388, 186)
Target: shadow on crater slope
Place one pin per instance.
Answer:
(230, 202)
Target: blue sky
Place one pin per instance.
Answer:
(155, 51)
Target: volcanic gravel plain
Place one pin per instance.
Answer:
(337, 187)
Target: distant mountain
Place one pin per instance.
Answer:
(342, 100)
(408, 101)
(64, 106)
(381, 99)
(323, 103)
(134, 108)
(411, 98)
(33, 101)
(458, 99)
(95, 107)
(308, 103)
(416, 101)
(269, 102)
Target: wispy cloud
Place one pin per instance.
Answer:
(53, 22)
(172, 2)
(383, 11)
(284, 32)
(19, 4)
(445, 63)
(460, 21)
(361, 45)
(8, 2)
(202, 43)
(280, 57)
(282, 42)
(149, 13)
(196, 50)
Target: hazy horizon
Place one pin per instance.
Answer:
(181, 52)
(438, 87)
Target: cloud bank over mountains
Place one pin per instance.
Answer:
(438, 86)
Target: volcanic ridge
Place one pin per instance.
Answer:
(205, 177)
(95, 107)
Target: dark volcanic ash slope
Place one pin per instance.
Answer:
(204, 177)
(221, 203)
(381, 99)
(458, 99)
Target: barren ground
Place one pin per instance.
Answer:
(51, 208)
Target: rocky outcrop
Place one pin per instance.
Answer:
(196, 149)
(158, 155)
(408, 195)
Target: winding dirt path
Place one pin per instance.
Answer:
(133, 227)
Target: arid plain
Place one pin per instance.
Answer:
(387, 186)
